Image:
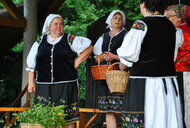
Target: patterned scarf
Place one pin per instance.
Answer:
(180, 10)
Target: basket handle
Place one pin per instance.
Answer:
(112, 65)
(99, 59)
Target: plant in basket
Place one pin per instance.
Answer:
(42, 115)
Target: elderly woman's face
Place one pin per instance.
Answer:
(117, 20)
(176, 20)
(56, 27)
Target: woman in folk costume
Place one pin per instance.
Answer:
(152, 98)
(52, 66)
(179, 15)
(106, 46)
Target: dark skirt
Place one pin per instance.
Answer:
(181, 92)
(107, 101)
(152, 103)
(61, 94)
(133, 106)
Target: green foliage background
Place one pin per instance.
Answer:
(78, 15)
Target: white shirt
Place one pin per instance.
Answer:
(79, 45)
(98, 45)
(131, 51)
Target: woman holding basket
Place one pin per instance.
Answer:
(105, 48)
(152, 99)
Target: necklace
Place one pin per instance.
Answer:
(54, 39)
(155, 13)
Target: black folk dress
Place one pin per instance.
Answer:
(56, 76)
(152, 97)
(107, 101)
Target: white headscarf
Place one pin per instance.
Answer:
(48, 21)
(108, 21)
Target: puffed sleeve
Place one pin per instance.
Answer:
(78, 43)
(131, 46)
(31, 58)
(98, 46)
(179, 41)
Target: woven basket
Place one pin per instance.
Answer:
(117, 80)
(99, 71)
(26, 125)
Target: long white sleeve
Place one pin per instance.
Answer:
(80, 44)
(131, 46)
(98, 46)
(179, 41)
(31, 58)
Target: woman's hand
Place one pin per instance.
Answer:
(31, 87)
(108, 56)
(77, 63)
(122, 66)
(83, 56)
(31, 83)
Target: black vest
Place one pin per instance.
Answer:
(112, 44)
(157, 50)
(55, 63)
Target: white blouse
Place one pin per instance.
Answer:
(98, 45)
(131, 51)
(79, 45)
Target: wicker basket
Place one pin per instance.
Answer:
(26, 125)
(99, 71)
(117, 80)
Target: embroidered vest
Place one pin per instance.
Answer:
(55, 63)
(157, 50)
(112, 44)
(183, 58)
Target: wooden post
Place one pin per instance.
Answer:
(30, 35)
